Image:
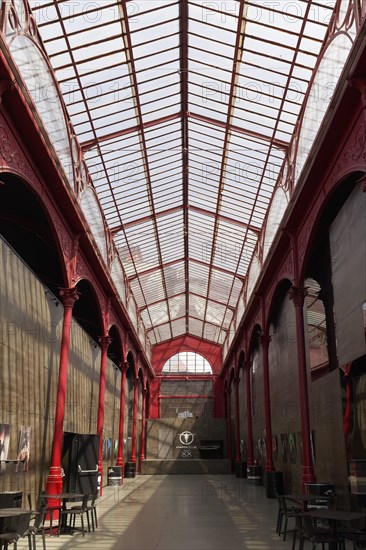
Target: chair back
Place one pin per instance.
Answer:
(84, 504)
(308, 527)
(20, 523)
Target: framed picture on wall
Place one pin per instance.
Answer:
(24, 447)
(115, 450)
(4, 445)
(104, 449)
(109, 447)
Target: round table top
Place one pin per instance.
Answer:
(9, 512)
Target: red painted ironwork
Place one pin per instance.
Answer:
(104, 342)
(136, 383)
(54, 479)
(120, 461)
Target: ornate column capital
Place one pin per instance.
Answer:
(297, 295)
(124, 366)
(105, 342)
(69, 296)
(264, 340)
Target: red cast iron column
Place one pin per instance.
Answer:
(119, 461)
(228, 410)
(237, 421)
(264, 341)
(134, 419)
(250, 459)
(54, 480)
(104, 342)
(297, 295)
(143, 427)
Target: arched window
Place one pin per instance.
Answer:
(187, 362)
(317, 326)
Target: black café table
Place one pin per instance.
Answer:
(334, 516)
(65, 498)
(9, 513)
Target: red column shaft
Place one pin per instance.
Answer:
(104, 344)
(54, 480)
(228, 409)
(250, 458)
(143, 426)
(119, 461)
(134, 419)
(237, 421)
(297, 295)
(265, 340)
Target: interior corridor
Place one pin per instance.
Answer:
(180, 512)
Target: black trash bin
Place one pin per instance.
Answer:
(115, 475)
(130, 469)
(241, 469)
(254, 474)
(274, 484)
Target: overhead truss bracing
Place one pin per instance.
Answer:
(185, 110)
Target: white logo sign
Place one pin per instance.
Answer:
(186, 438)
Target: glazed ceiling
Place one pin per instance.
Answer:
(185, 111)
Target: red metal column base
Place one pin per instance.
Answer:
(308, 476)
(54, 481)
(119, 461)
(269, 467)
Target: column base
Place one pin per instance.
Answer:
(119, 461)
(54, 481)
(308, 476)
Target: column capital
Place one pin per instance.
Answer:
(69, 296)
(297, 295)
(144, 392)
(236, 381)
(264, 340)
(123, 366)
(228, 390)
(105, 342)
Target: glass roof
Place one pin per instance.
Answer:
(185, 111)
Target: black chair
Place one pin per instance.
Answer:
(286, 512)
(73, 513)
(8, 538)
(92, 510)
(318, 535)
(16, 529)
(50, 510)
(38, 527)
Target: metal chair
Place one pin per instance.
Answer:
(16, 529)
(285, 512)
(73, 513)
(92, 510)
(38, 525)
(318, 535)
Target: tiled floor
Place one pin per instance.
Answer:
(180, 512)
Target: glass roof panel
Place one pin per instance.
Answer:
(185, 111)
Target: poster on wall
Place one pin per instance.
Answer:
(4, 445)
(284, 447)
(109, 447)
(115, 450)
(292, 447)
(299, 441)
(104, 449)
(24, 447)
